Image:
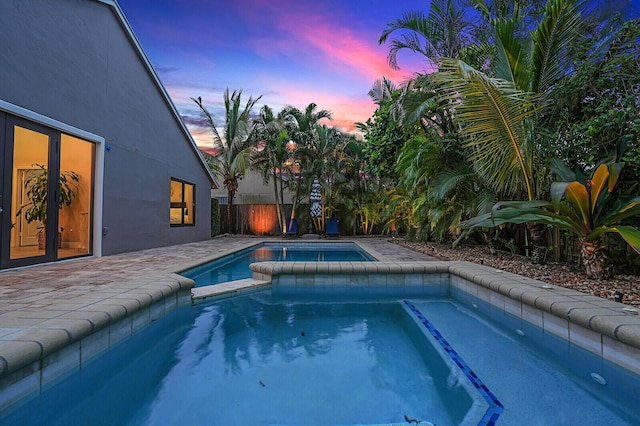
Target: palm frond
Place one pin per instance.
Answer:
(492, 113)
(552, 40)
(448, 181)
(212, 126)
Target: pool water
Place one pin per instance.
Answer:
(236, 266)
(256, 360)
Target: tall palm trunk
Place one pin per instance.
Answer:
(295, 201)
(278, 205)
(230, 218)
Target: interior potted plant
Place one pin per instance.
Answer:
(36, 184)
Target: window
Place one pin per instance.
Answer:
(182, 209)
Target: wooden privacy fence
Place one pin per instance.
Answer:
(253, 219)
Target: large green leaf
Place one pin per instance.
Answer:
(562, 172)
(518, 212)
(614, 174)
(619, 213)
(577, 195)
(558, 190)
(598, 182)
(630, 234)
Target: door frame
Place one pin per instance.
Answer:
(11, 111)
(53, 167)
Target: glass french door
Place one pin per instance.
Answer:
(44, 218)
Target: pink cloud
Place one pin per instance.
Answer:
(340, 47)
(343, 48)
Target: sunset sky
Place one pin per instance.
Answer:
(289, 51)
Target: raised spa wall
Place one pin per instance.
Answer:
(608, 329)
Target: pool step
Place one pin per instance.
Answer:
(198, 294)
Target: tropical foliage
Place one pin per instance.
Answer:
(520, 85)
(587, 207)
(272, 155)
(234, 145)
(508, 86)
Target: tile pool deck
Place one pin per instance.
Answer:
(50, 314)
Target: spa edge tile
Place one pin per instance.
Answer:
(59, 365)
(413, 279)
(288, 280)
(322, 279)
(484, 294)
(157, 310)
(183, 298)
(497, 300)
(377, 280)
(341, 280)
(140, 318)
(301, 280)
(120, 331)
(513, 307)
(93, 345)
(21, 384)
(621, 354)
(359, 280)
(396, 279)
(532, 315)
(555, 325)
(585, 338)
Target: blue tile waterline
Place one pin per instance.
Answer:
(495, 407)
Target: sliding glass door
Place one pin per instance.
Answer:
(47, 191)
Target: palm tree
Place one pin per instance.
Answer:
(324, 159)
(235, 144)
(271, 156)
(444, 32)
(301, 129)
(498, 114)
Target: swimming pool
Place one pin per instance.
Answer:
(235, 266)
(258, 359)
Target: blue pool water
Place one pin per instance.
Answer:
(258, 360)
(236, 265)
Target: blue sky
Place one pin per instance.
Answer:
(289, 51)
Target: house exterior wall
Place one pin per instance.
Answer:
(73, 61)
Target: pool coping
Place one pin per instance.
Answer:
(48, 348)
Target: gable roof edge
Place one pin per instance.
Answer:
(145, 59)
